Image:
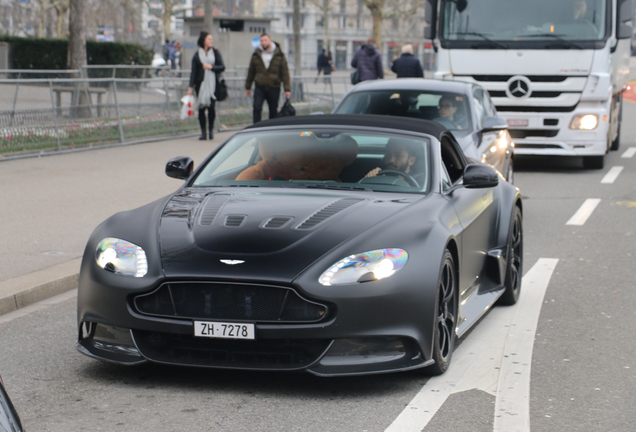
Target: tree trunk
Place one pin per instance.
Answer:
(325, 13)
(77, 55)
(167, 18)
(376, 7)
(297, 39)
(208, 20)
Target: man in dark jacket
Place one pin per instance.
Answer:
(368, 60)
(267, 70)
(407, 66)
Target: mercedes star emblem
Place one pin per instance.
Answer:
(518, 87)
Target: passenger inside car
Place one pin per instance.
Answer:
(302, 157)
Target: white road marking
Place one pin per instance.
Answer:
(512, 406)
(584, 212)
(19, 313)
(630, 152)
(478, 361)
(611, 175)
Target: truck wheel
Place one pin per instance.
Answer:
(593, 162)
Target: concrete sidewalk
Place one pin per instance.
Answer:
(50, 206)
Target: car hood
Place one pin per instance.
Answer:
(247, 234)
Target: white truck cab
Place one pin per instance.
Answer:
(555, 69)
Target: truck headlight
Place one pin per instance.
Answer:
(584, 122)
(121, 257)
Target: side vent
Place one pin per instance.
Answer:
(328, 211)
(276, 222)
(211, 208)
(234, 220)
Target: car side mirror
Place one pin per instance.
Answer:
(477, 176)
(180, 167)
(492, 123)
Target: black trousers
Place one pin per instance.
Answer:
(262, 94)
(211, 116)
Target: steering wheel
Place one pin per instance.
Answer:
(409, 178)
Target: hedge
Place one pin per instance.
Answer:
(35, 53)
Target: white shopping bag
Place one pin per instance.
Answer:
(187, 109)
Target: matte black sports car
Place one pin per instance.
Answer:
(338, 245)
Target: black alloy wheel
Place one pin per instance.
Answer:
(514, 261)
(446, 311)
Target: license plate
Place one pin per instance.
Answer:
(517, 122)
(224, 330)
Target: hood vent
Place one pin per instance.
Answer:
(211, 208)
(234, 220)
(328, 211)
(276, 222)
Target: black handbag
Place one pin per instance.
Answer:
(355, 77)
(287, 110)
(220, 92)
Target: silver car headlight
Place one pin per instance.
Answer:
(365, 267)
(121, 257)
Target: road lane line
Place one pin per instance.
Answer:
(512, 406)
(611, 175)
(630, 152)
(476, 363)
(584, 212)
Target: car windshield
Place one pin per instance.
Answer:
(518, 20)
(451, 110)
(320, 157)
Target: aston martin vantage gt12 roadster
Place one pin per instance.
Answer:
(337, 245)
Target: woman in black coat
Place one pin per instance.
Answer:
(207, 65)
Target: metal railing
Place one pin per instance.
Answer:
(49, 115)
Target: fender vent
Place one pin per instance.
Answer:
(211, 208)
(276, 222)
(234, 220)
(328, 211)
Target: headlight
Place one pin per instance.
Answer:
(365, 267)
(121, 257)
(584, 121)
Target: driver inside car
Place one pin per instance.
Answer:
(399, 155)
(447, 110)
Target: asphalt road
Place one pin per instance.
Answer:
(579, 363)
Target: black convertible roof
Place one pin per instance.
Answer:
(364, 120)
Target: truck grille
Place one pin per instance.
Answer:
(229, 301)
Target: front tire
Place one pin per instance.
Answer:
(514, 261)
(446, 311)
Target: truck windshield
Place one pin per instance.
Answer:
(487, 21)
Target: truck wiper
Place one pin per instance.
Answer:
(486, 38)
(567, 43)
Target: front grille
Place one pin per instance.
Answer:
(532, 78)
(528, 108)
(534, 94)
(229, 301)
(250, 354)
(537, 146)
(524, 133)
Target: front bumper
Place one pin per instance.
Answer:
(379, 330)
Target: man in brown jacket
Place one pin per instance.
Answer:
(268, 69)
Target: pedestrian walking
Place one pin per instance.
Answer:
(407, 65)
(368, 61)
(207, 65)
(267, 71)
(172, 55)
(323, 64)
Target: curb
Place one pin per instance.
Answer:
(31, 288)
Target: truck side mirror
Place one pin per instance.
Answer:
(624, 24)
